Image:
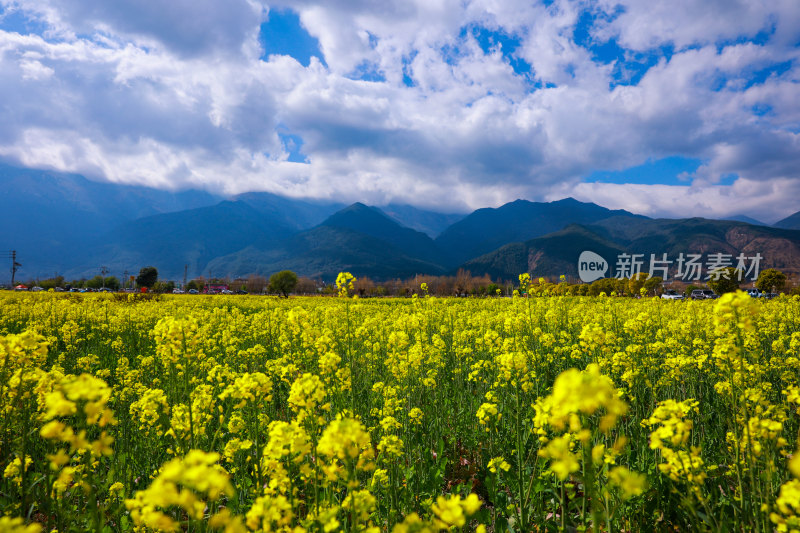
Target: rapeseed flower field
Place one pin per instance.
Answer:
(239, 414)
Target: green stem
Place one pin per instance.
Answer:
(520, 483)
(23, 466)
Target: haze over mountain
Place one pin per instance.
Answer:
(192, 238)
(429, 222)
(747, 219)
(291, 213)
(790, 222)
(40, 200)
(51, 218)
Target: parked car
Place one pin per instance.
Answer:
(193, 291)
(177, 291)
(37, 288)
(703, 294)
(755, 293)
(671, 294)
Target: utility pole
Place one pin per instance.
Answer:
(14, 265)
(185, 269)
(125, 280)
(103, 273)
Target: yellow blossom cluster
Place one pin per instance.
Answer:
(191, 483)
(246, 413)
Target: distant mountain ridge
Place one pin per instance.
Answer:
(193, 237)
(747, 219)
(52, 218)
(429, 222)
(292, 213)
(790, 222)
(66, 224)
(487, 229)
(374, 222)
(358, 238)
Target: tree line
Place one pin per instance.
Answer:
(462, 284)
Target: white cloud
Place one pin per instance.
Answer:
(759, 199)
(645, 24)
(176, 96)
(186, 27)
(34, 70)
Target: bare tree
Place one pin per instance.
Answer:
(256, 284)
(306, 286)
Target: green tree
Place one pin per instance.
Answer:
(771, 280)
(95, 283)
(620, 286)
(690, 288)
(652, 283)
(52, 283)
(193, 285)
(636, 282)
(283, 282)
(112, 283)
(725, 279)
(606, 285)
(163, 286)
(147, 277)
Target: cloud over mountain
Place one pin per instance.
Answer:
(446, 103)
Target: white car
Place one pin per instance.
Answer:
(671, 294)
(755, 293)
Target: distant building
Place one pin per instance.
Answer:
(214, 288)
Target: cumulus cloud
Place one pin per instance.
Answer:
(186, 27)
(757, 198)
(177, 95)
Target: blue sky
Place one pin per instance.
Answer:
(283, 34)
(679, 108)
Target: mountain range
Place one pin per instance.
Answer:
(67, 224)
(659, 239)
